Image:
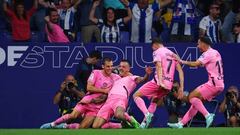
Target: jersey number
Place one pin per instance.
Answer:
(169, 65)
(218, 65)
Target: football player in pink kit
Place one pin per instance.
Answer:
(99, 84)
(212, 61)
(162, 82)
(118, 97)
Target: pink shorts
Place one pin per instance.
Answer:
(152, 90)
(87, 109)
(209, 92)
(111, 105)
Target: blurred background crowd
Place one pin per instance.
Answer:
(119, 21)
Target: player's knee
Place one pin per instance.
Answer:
(73, 115)
(119, 115)
(191, 95)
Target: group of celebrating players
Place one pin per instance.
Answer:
(109, 93)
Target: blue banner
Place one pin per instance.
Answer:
(31, 73)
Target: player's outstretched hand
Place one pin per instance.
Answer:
(176, 57)
(180, 93)
(148, 70)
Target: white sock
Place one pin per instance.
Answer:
(207, 115)
(53, 124)
(180, 123)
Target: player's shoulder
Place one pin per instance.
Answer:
(115, 76)
(213, 51)
(157, 52)
(133, 77)
(216, 53)
(96, 71)
(168, 52)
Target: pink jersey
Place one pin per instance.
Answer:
(212, 60)
(57, 34)
(124, 86)
(168, 62)
(99, 80)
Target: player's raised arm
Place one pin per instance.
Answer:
(148, 71)
(196, 63)
(181, 78)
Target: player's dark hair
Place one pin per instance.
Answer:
(206, 40)
(50, 10)
(95, 54)
(106, 59)
(156, 40)
(213, 3)
(127, 61)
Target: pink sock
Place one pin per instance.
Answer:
(73, 126)
(197, 103)
(127, 117)
(111, 125)
(141, 105)
(152, 107)
(62, 119)
(188, 116)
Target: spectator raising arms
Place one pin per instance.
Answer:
(54, 31)
(66, 12)
(142, 18)
(20, 20)
(110, 32)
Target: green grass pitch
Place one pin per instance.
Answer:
(152, 131)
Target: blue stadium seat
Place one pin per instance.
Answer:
(2, 25)
(154, 34)
(79, 38)
(124, 37)
(38, 36)
(5, 36)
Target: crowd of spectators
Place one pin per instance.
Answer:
(107, 20)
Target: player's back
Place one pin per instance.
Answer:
(124, 86)
(168, 63)
(213, 63)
